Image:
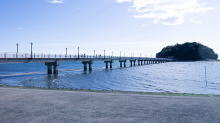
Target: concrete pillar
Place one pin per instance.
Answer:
(134, 62)
(120, 64)
(141, 62)
(124, 63)
(49, 69)
(138, 62)
(85, 66)
(131, 63)
(55, 70)
(90, 66)
(52, 67)
(106, 65)
(110, 64)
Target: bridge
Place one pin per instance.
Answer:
(52, 61)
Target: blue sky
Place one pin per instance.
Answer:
(131, 26)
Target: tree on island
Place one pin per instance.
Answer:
(188, 52)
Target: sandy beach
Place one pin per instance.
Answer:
(18, 105)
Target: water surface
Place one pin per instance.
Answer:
(176, 77)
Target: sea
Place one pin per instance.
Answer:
(202, 77)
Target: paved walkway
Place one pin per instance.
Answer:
(54, 106)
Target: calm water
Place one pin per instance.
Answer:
(178, 77)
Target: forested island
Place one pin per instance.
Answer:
(188, 52)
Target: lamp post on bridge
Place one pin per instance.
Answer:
(112, 54)
(66, 53)
(94, 53)
(104, 54)
(17, 50)
(78, 52)
(31, 50)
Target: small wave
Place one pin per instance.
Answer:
(21, 74)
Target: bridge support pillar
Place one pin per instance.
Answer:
(90, 66)
(124, 63)
(108, 63)
(49, 69)
(86, 64)
(131, 63)
(52, 67)
(134, 62)
(120, 64)
(55, 69)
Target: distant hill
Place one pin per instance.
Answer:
(188, 52)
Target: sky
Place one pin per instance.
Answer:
(134, 27)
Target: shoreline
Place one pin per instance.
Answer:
(116, 91)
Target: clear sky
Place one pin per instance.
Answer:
(131, 26)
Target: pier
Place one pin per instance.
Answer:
(52, 61)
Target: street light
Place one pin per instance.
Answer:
(94, 53)
(104, 54)
(112, 53)
(17, 50)
(66, 52)
(31, 50)
(78, 52)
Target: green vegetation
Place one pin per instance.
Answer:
(188, 52)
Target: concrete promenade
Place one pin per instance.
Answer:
(57, 106)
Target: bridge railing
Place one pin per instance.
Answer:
(8, 55)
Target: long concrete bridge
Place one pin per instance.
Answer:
(52, 61)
